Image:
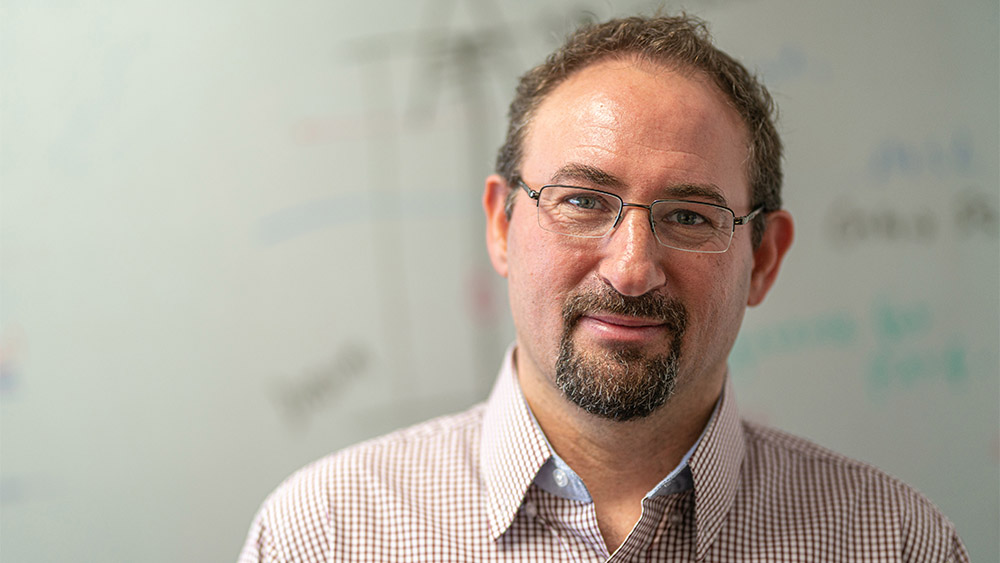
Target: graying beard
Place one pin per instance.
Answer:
(590, 384)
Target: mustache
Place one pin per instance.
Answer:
(669, 312)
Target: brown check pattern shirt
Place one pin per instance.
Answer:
(462, 488)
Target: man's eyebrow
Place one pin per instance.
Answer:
(592, 175)
(710, 192)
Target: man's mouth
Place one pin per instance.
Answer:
(610, 316)
(625, 321)
(620, 328)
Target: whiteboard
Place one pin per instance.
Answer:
(237, 236)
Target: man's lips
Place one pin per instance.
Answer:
(608, 318)
(622, 328)
(623, 321)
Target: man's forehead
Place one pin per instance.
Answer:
(612, 90)
(635, 111)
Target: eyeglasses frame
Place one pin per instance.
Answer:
(737, 221)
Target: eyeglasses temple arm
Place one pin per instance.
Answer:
(531, 193)
(749, 216)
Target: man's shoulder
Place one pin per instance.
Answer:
(775, 452)
(362, 491)
(438, 441)
(778, 450)
(768, 440)
(795, 478)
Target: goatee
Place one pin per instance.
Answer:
(622, 383)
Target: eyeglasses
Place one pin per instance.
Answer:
(690, 226)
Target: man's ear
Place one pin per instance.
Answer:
(497, 224)
(767, 258)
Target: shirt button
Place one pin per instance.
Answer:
(529, 509)
(560, 476)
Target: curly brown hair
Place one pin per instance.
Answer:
(680, 41)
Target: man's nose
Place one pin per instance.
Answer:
(633, 259)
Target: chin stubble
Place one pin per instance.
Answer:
(624, 383)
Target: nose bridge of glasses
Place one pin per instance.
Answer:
(626, 205)
(649, 216)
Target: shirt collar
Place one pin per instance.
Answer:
(557, 478)
(715, 468)
(514, 449)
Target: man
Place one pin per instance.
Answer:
(635, 214)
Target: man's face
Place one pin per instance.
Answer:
(606, 318)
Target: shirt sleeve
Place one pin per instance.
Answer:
(958, 551)
(259, 546)
(928, 534)
(293, 523)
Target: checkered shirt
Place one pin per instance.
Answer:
(462, 488)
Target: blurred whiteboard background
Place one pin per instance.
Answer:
(237, 236)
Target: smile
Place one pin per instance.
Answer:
(621, 328)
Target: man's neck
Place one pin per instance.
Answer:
(620, 462)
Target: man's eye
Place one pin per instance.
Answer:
(585, 202)
(686, 217)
